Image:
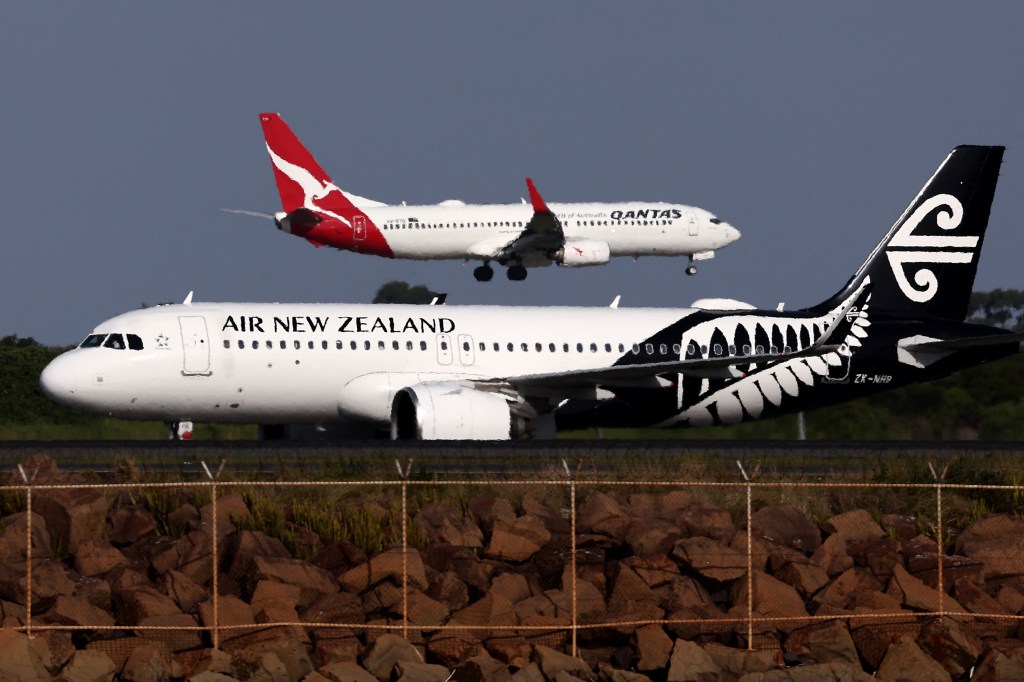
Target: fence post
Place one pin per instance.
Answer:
(213, 549)
(572, 549)
(940, 536)
(28, 546)
(403, 474)
(750, 560)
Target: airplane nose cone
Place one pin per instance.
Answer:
(731, 233)
(59, 380)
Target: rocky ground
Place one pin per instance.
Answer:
(851, 598)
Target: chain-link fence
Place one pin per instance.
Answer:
(574, 559)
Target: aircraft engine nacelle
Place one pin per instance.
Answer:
(452, 411)
(297, 222)
(577, 253)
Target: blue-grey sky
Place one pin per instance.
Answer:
(807, 125)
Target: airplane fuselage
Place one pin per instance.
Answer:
(324, 363)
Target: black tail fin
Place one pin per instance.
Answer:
(925, 264)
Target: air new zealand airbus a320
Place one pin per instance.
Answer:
(494, 372)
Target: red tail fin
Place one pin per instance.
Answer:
(301, 182)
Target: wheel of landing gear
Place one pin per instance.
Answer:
(517, 273)
(692, 270)
(483, 273)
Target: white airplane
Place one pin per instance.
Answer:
(497, 372)
(514, 235)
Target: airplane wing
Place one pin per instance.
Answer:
(543, 234)
(972, 342)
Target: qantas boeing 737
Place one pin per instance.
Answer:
(493, 372)
(517, 236)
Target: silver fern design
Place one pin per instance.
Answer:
(731, 401)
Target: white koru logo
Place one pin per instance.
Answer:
(925, 279)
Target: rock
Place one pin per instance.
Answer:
(339, 557)
(840, 591)
(20, 661)
(983, 531)
(148, 662)
(740, 662)
(690, 663)
(787, 526)
(72, 515)
(486, 509)
(417, 671)
(516, 540)
(134, 604)
(953, 647)
(54, 648)
(333, 645)
(656, 570)
(631, 599)
(88, 666)
(602, 514)
(529, 673)
(240, 550)
(230, 611)
(176, 640)
(12, 537)
(77, 611)
(654, 647)
(385, 566)
(954, 568)
(230, 508)
(446, 588)
(900, 527)
(854, 525)
(214, 677)
(551, 663)
(878, 555)
(264, 666)
(772, 599)
(450, 648)
(346, 672)
(710, 558)
(184, 591)
(440, 523)
(380, 658)
(1010, 598)
(831, 556)
(806, 578)
(916, 594)
(281, 642)
(128, 524)
(651, 536)
(96, 557)
(706, 520)
(338, 607)
(49, 581)
(823, 643)
(311, 581)
(553, 520)
(481, 668)
(905, 662)
(514, 651)
(997, 665)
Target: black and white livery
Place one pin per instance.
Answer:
(492, 372)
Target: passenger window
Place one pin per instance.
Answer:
(593, 348)
(366, 345)
(510, 347)
(134, 342)
(732, 349)
(524, 346)
(380, 345)
(663, 349)
(115, 341)
(497, 347)
(310, 345)
(96, 340)
(551, 347)
(255, 345)
(227, 344)
(352, 345)
(483, 346)
(270, 344)
(691, 348)
(394, 345)
(675, 349)
(718, 349)
(538, 347)
(444, 345)
(241, 344)
(579, 347)
(760, 350)
(636, 349)
(608, 348)
(423, 345)
(746, 349)
(565, 348)
(622, 349)
(649, 347)
(284, 344)
(408, 345)
(704, 350)
(774, 350)
(297, 344)
(339, 344)
(465, 346)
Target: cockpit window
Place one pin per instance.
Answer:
(134, 342)
(115, 341)
(716, 221)
(93, 341)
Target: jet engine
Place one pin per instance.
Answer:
(452, 411)
(577, 253)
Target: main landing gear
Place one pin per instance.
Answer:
(691, 270)
(484, 273)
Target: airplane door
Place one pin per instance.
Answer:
(195, 345)
(359, 227)
(444, 349)
(692, 217)
(466, 349)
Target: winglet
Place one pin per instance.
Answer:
(538, 202)
(188, 299)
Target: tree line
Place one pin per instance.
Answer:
(983, 403)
